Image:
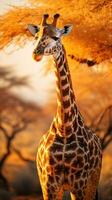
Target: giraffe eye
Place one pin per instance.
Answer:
(55, 38)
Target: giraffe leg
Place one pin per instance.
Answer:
(72, 196)
(96, 196)
(76, 197)
(49, 194)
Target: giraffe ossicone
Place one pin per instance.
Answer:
(69, 155)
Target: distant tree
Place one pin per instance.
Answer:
(14, 117)
(10, 127)
(92, 25)
(103, 129)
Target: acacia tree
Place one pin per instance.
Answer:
(92, 26)
(14, 120)
(13, 117)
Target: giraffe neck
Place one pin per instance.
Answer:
(67, 113)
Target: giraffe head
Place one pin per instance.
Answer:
(49, 41)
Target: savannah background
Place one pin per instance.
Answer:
(27, 88)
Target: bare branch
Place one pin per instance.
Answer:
(21, 156)
(100, 118)
(106, 143)
(4, 131)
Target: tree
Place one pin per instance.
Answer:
(91, 35)
(10, 127)
(14, 117)
(104, 130)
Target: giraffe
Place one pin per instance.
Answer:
(69, 155)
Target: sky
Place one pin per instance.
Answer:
(23, 65)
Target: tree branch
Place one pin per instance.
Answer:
(4, 131)
(21, 156)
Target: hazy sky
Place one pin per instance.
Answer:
(23, 64)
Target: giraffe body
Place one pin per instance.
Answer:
(69, 154)
(69, 164)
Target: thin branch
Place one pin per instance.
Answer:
(100, 118)
(4, 131)
(106, 143)
(21, 156)
(108, 133)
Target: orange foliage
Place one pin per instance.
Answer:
(92, 34)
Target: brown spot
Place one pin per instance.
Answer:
(76, 185)
(96, 162)
(78, 174)
(81, 141)
(58, 169)
(72, 178)
(64, 82)
(86, 167)
(81, 183)
(52, 188)
(66, 169)
(66, 117)
(84, 174)
(71, 146)
(65, 180)
(58, 157)
(59, 139)
(60, 63)
(51, 160)
(96, 150)
(62, 72)
(68, 130)
(66, 104)
(70, 117)
(80, 120)
(80, 161)
(65, 66)
(80, 151)
(80, 132)
(50, 195)
(86, 158)
(72, 97)
(65, 92)
(79, 193)
(91, 148)
(72, 110)
(75, 126)
(56, 148)
(57, 178)
(73, 170)
(68, 157)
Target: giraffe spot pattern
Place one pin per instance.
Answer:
(76, 155)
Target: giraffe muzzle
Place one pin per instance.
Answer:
(37, 57)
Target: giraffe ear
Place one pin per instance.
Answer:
(33, 29)
(67, 29)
